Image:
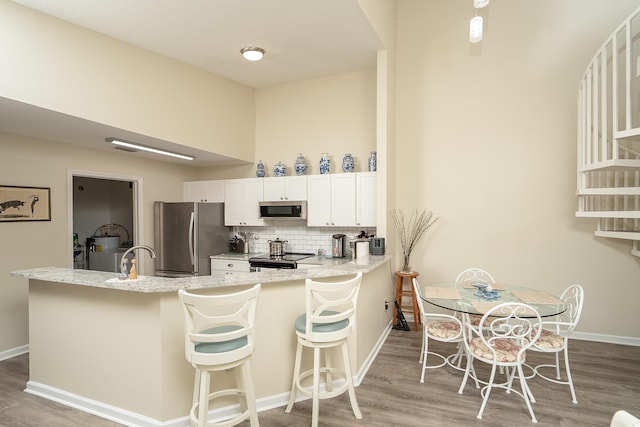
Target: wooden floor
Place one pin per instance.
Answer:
(606, 376)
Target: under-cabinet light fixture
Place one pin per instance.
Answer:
(128, 144)
(252, 53)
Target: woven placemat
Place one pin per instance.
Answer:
(536, 297)
(446, 293)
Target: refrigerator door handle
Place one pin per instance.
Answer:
(191, 237)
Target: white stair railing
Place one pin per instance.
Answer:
(608, 149)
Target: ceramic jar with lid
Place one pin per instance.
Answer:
(301, 165)
(260, 169)
(348, 163)
(280, 169)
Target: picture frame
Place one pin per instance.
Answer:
(24, 203)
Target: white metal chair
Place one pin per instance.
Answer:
(327, 323)
(554, 337)
(624, 419)
(501, 339)
(474, 274)
(436, 326)
(471, 275)
(219, 335)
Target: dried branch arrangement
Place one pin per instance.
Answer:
(410, 232)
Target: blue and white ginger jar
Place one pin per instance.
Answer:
(301, 165)
(325, 164)
(260, 169)
(347, 163)
(279, 169)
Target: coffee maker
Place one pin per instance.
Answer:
(339, 245)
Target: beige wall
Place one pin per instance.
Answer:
(84, 74)
(333, 114)
(34, 163)
(487, 139)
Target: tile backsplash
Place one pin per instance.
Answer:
(299, 237)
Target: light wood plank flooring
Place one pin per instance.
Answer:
(606, 376)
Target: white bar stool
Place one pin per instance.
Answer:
(327, 323)
(219, 335)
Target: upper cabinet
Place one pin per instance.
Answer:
(366, 187)
(285, 188)
(331, 200)
(204, 191)
(241, 201)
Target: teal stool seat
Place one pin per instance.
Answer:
(320, 327)
(224, 346)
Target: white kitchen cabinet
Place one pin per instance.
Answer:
(241, 197)
(331, 200)
(204, 191)
(366, 186)
(285, 188)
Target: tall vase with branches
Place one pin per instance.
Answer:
(410, 232)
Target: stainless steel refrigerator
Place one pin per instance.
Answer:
(186, 235)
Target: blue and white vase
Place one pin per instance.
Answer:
(373, 162)
(325, 164)
(301, 165)
(260, 169)
(347, 163)
(279, 169)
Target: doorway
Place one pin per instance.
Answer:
(104, 218)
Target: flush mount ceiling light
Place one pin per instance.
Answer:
(128, 144)
(479, 4)
(252, 53)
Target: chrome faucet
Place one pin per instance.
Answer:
(124, 260)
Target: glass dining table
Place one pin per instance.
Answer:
(468, 297)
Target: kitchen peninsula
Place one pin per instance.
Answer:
(116, 347)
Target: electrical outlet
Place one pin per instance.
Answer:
(386, 305)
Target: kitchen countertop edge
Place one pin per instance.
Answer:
(327, 267)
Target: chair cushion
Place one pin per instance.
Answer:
(301, 323)
(506, 350)
(224, 346)
(445, 329)
(549, 340)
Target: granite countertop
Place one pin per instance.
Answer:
(326, 267)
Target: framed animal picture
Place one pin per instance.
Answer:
(25, 203)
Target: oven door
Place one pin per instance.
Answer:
(272, 265)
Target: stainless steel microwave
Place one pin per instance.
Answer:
(283, 209)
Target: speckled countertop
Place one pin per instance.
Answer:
(326, 267)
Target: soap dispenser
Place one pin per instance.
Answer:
(133, 272)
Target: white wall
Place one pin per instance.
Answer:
(487, 139)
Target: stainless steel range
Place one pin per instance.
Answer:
(288, 260)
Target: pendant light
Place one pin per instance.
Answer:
(475, 29)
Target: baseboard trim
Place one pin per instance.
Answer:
(13, 352)
(609, 339)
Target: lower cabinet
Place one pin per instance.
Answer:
(230, 266)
